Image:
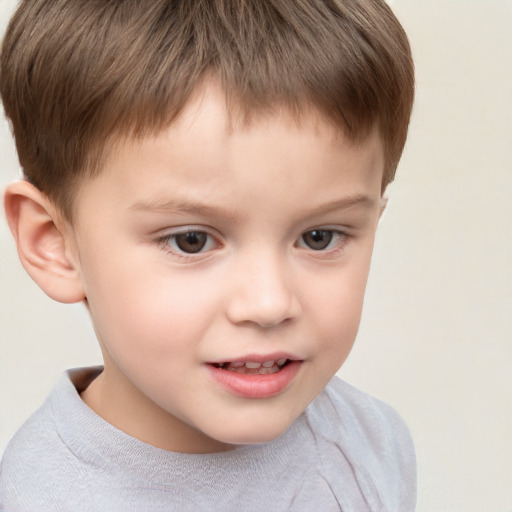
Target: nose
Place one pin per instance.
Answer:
(263, 294)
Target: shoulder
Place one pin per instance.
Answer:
(371, 437)
(343, 410)
(354, 408)
(38, 470)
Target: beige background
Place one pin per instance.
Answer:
(436, 335)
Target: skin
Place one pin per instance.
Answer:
(162, 314)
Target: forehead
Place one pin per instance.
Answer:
(211, 108)
(211, 117)
(210, 151)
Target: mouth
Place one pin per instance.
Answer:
(256, 376)
(254, 367)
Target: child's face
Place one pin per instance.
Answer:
(203, 246)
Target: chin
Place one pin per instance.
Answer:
(255, 432)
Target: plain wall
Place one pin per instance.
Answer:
(436, 334)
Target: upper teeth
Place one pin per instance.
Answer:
(254, 365)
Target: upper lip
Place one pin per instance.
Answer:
(257, 358)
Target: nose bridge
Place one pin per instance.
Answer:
(263, 291)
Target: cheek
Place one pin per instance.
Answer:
(138, 306)
(337, 309)
(339, 299)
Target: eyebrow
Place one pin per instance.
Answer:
(193, 208)
(182, 207)
(358, 200)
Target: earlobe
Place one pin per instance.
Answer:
(45, 247)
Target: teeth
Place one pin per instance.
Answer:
(253, 365)
(255, 371)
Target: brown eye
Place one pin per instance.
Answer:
(191, 241)
(318, 239)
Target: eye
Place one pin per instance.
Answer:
(320, 239)
(189, 242)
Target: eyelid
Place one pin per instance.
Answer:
(340, 233)
(163, 242)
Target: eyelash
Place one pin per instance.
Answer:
(165, 242)
(335, 244)
(338, 241)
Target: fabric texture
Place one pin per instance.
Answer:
(347, 452)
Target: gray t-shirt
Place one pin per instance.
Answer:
(346, 452)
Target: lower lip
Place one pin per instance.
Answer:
(255, 385)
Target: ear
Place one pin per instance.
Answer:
(45, 243)
(383, 205)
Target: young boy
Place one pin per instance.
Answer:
(207, 178)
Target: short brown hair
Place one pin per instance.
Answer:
(76, 72)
